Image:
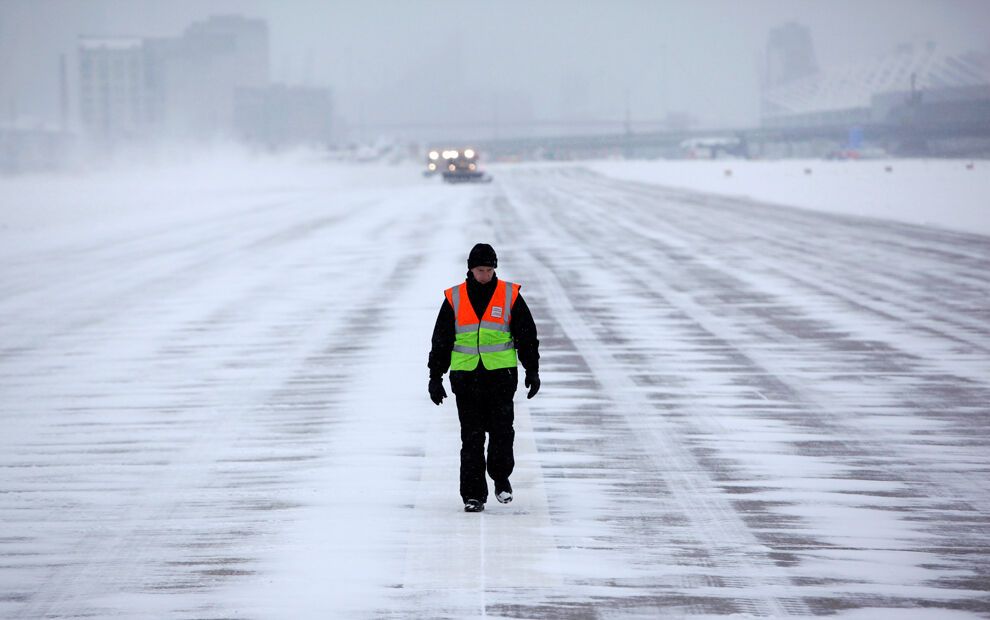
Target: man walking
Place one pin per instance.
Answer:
(483, 328)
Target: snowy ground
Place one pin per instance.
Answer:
(953, 194)
(213, 392)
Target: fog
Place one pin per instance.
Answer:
(509, 65)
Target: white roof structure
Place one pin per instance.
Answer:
(853, 86)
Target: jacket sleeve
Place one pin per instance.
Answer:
(443, 341)
(524, 335)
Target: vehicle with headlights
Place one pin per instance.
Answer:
(433, 162)
(456, 165)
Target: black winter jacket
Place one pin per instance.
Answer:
(522, 328)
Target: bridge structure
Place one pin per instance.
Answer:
(920, 132)
(915, 101)
(918, 129)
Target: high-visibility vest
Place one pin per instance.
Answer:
(487, 339)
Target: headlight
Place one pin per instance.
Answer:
(469, 153)
(432, 166)
(434, 155)
(471, 166)
(451, 167)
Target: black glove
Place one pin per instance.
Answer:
(437, 393)
(533, 383)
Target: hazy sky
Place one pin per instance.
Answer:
(430, 60)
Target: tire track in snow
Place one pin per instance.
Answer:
(146, 527)
(712, 269)
(604, 239)
(713, 519)
(130, 269)
(936, 280)
(917, 360)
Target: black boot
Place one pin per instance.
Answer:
(503, 492)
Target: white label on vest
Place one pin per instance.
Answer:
(497, 312)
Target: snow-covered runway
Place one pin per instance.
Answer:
(214, 406)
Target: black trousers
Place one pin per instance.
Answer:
(484, 407)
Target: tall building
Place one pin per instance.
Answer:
(160, 71)
(113, 101)
(790, 54)
(137, 87)
(213, 59)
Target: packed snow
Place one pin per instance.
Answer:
(213, 389)
(953, 194)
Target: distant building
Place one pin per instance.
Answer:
(790, 54)
(162, 86)
(113, 100)
(213, 59)
(32, 148)
(138, 87)
(914, 79)
(278, 115)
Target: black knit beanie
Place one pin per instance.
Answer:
(482, 255)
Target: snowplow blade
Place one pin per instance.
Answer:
(466, 177)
